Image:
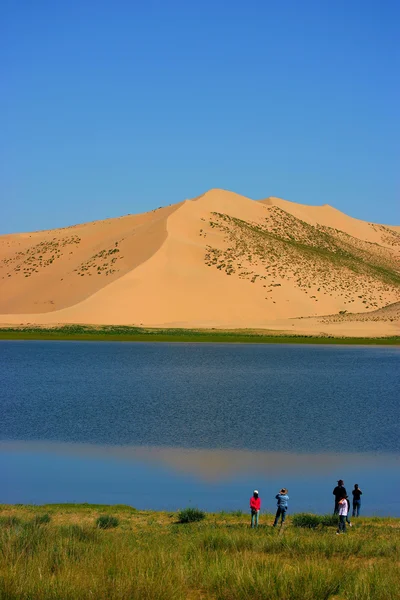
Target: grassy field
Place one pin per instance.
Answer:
(138, 334)
(149, 556)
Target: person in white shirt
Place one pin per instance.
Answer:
(343, 510)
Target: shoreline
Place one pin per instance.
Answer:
(85, 509)
(179, 335)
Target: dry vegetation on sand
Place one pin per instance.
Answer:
(149, 556)
(319, 261)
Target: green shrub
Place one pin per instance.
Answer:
(107, 522)
(42, 519)
(306, 520)
(190, 515)
(329, 520)
(313, 521)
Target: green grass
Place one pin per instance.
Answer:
(42, 519)
(151, 557)
(137, 334)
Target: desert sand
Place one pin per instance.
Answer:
(220, 260)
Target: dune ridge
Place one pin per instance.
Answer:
(219, 260)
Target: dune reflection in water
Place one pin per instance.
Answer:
(217, 479)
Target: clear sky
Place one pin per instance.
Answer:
(114, 107)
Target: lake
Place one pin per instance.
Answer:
(164, 426)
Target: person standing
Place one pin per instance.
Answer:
(343, 510)
(255, 506)
(357, 493)
(282, 499)
(339, 492)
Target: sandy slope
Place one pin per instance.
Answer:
(331, 217)
(57, 284)
(220, 260)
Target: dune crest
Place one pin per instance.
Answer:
(218, 260)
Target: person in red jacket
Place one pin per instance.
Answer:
(255, 505)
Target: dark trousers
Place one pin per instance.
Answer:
(356, 508)
(281, 512)
(342, 524)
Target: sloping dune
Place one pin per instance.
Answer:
(220, 260)
(48, 270)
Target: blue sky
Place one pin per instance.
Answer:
(110, 108)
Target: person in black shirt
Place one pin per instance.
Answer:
(357, 493)
(339, 492)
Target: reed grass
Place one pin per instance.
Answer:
(150, 556)
(111, 333)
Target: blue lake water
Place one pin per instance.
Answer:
(168, 425)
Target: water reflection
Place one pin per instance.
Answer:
(169, 478)
(212, 465)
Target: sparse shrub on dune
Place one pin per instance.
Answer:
(321, 254)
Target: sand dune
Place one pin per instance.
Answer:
(47, 270)
(329, 216)
(219, 260)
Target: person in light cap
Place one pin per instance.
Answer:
(255, 505)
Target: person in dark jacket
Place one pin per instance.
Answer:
(357, 493)
(339, 492)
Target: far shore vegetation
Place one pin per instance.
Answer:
(74, 552)
(122, 333)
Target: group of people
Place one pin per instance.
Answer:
(255, 507)
(342, 505)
